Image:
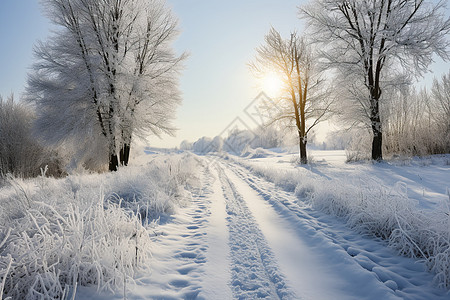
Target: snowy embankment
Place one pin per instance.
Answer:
(373, 206)
(90, 229)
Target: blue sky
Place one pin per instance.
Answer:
(21, 25)
(221, 37)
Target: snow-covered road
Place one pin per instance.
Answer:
(244, 238)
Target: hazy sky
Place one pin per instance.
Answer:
(221, 37)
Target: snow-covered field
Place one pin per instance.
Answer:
(181, 226)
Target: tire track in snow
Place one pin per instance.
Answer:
(254, 271)
(371, 254)
(217, 275)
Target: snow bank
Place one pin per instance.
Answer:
(376, 210)
(85, 230)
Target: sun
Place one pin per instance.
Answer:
(272, 84)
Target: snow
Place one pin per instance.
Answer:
(255, 272)
(257, 226)
(217, 273)
(87, 229)
(295, 256)
(427, 179)
(367, 199)
(334, 244)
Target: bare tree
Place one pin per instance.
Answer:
(377, 44)
(408, 128)
(440, 106)
(110, 72)
(416, 122)
(302, 99)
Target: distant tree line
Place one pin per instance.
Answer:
(237, 141)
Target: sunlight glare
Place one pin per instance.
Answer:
(272, 84)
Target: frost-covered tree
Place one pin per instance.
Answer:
(440, 106)
(186, 145)
(20, 154)
(109, 71)
(202, 145)
(408, 127)
(374, 45)
(302, 98)
(417, 122)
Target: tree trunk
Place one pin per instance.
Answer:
(375, 119)
(113, 159)
(300, 130)
(122, 156)
(303, 155)
(125, 154)
(377, 142)
(113, 162)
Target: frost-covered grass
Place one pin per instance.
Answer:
(91, 229)
(376, 210)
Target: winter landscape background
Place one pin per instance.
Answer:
(159, 149)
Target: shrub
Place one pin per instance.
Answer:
(20, 153)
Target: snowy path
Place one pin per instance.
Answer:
(244, 238)
(322, 258)
(255, 273)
